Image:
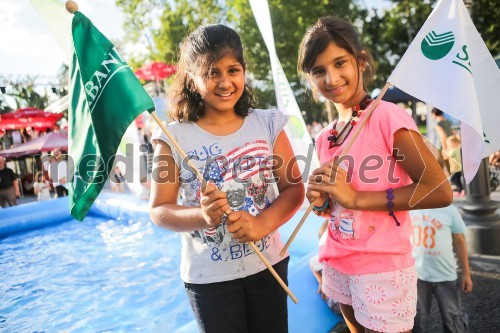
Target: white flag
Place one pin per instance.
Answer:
(296, 129)
(449, 67)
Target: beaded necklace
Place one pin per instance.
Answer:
(346, 130)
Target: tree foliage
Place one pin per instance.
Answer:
(486, 18)
(174, 20)
(388, 34)
(162, 24)
(24, 93)
(31, 91)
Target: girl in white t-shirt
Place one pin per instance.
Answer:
(230, 143)
(41, 187)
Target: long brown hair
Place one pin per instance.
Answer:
(328, 30)
(200, 50)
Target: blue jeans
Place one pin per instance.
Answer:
(447, 295)
(254, 304)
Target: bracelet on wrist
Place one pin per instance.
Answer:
(390, 205)
(324, 209)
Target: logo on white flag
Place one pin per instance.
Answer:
(463, 59)
(436, 46)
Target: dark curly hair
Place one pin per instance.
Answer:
(200, 50)
(325, 31)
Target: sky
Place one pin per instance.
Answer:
(27, 46)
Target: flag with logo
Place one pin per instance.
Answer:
(449, 67)
(105, 97)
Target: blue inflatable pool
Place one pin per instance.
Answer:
(118, 272)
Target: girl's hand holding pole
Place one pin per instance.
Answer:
(317, 197)
(213, 204)
(331, 180)
(245, 227)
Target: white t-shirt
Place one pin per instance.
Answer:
(57, 171)
(433, 242)
(43, 190)
(239, 165)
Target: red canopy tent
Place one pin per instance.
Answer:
(28, 117)
(46, 142)
(156, 71)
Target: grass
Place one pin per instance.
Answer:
(422, 129)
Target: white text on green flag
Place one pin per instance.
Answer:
(105, 97)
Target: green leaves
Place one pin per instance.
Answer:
(162, 24)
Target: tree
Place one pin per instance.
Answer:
(4, 106)
(388, 34)
(162, 24)
(24, 94)
(290, 21)
(486, 18)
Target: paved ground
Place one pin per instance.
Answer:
(482, 305)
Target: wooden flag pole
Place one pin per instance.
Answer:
(200, 177)
(346, 149)
(72, 7)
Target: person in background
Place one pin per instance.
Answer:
(443, 130)
(317, 270)
(442, 127)
(48, 160)
(41, 186)
(9, 185)
(454, 157)
(315, 129)
(117, 183)
(438, 234)
(58, 173)
(494, 159)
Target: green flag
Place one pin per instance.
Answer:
(105, 97)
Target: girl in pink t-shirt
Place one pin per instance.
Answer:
(387, 171)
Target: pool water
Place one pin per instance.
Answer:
(103, 275)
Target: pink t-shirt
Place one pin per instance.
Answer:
(365, 242)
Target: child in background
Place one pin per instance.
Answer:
(454, 156)
(41, 187)
(117, 182)
(368, 267)
(317, 270)
(232, 144)
(437, 235)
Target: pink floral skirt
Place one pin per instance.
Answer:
(382, 302)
